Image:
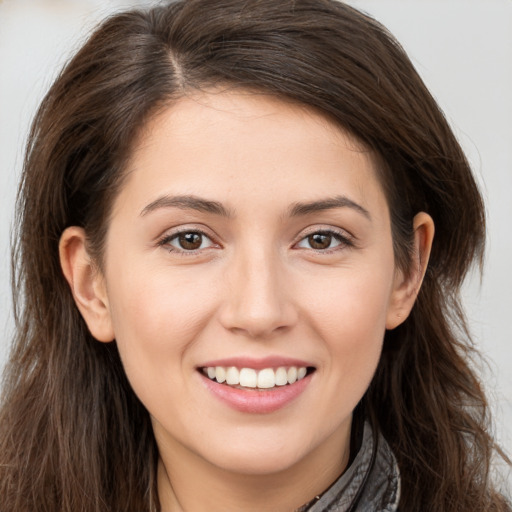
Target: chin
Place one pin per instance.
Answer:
(261, 465)
(252, 455)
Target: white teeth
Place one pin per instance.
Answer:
(281, 377)
(232, 376)
(220, 374)
(248, 378)
(266, 378)
(292, 374)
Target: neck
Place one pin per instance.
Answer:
(187, 482)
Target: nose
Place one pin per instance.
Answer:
(257, 302)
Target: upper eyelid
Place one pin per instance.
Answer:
(178, 230)
(166, 238)
(165, 242)
(346, 239)
(342, 233)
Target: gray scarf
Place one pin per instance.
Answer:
(370, 484)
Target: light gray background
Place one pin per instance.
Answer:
(462, 49)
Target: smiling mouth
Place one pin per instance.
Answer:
(249, 378)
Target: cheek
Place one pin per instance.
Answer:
(349, 314)
(157, 316)
(351, 300)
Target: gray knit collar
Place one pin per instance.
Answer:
(371, 482)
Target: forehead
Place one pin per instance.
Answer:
(239, 145)
(245, 111)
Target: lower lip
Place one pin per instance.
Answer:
(257, 401)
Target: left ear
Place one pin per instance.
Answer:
(86, 283)
(407, 285)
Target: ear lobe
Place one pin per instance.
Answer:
(407, 286)
(86, 283)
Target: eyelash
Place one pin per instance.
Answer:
(345, 240)
(166, 240)
(342, 237)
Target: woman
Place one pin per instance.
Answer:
(232, 296)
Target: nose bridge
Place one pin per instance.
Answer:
(257, 303)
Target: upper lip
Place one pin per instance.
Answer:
(257, 363)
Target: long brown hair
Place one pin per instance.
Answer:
(73, 435)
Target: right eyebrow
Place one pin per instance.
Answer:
(329, 203)
(186, 202)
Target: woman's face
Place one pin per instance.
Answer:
(251, 236)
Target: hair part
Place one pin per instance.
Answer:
(73, 434)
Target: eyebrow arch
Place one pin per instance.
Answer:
(186, 202)
(298, 209)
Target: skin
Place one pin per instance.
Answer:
(254, 287)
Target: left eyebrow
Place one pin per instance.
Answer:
(186, 202)
(298, 209)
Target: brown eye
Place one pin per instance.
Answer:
(319, 241)
(324, 240)
(188, 241)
